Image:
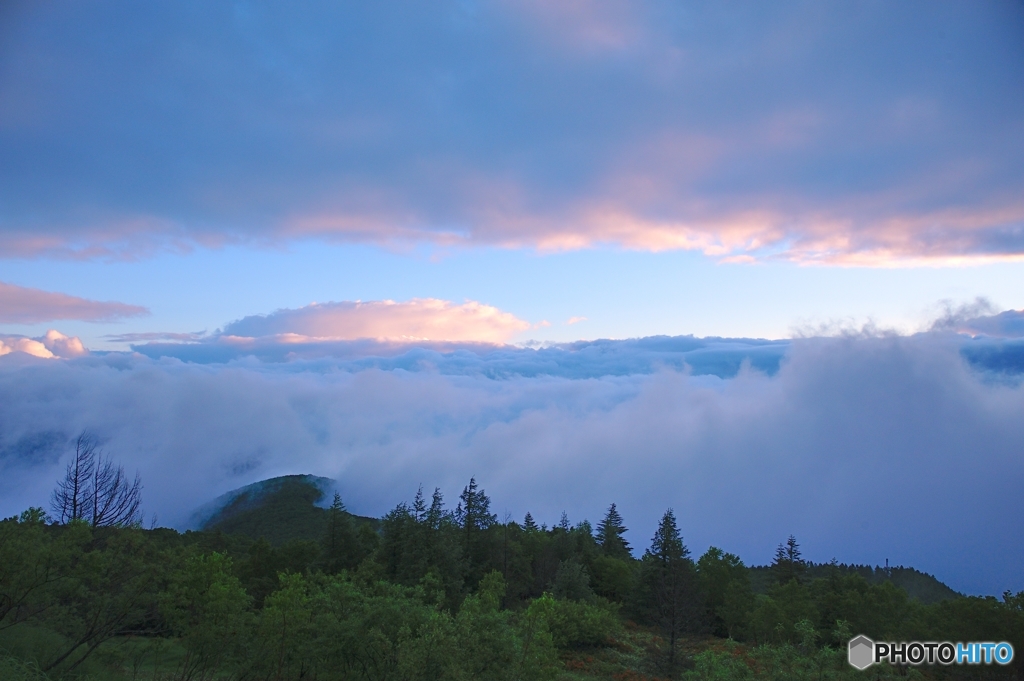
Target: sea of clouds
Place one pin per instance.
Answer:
(866, 447)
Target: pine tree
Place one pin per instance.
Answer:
(436, 513)
(609, 535)
(563, 523)
(528, 523)
(474, 516)
(788, 564)
(340, 544)
(670, 595)
(419, 506)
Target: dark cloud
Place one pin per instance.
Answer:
(865, 133)
(865, 448)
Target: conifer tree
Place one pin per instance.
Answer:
(563, 523)
(340, 544)
(419, 506)
(669, 593)
(436, 513)
(609, 535)
(474, 516)
(788, 564)
(528, 523)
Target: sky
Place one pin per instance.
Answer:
(725, 257)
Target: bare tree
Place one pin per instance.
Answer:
(96, 490)
(71, 497)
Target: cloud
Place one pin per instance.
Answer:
(723, 357)
(878, 135)
(152, 336)
(576, 320)
(416, 319)
(865, 448)
(52, 344)
(979, 319)
(20, 305)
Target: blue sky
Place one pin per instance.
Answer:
(621, 294)
(329, 202)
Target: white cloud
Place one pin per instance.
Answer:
(52, 344)
(865, 448)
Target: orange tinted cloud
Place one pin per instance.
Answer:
(416, 319)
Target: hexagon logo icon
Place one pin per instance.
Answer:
(861, 652)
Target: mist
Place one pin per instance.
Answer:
(865, 448)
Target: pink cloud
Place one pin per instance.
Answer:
(416, 319)
(52, 345)
(21, 305)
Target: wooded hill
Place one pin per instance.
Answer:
(277, 587)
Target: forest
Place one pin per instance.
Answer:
(277, 587)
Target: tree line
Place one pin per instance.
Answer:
(436, 593)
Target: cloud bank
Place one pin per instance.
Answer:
(866, 448)
(870, 134)
(21, 305)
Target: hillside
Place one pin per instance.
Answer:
(279, 510)
(918, 585)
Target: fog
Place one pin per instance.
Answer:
(866, 448)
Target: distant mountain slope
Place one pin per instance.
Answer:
(279, 510)
(917, 584)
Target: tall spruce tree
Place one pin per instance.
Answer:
(474, 517)
(528, 523)
(788, 564)
(609, 535)
(669, 590)
(340, 545)
(419, 506)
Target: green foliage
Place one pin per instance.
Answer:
(572, 581)
(613, 578)
(207, 608)
(576, 624)
(491, 646)
(443, 595)
(714, 665)
(725, 583)
(342, 548)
